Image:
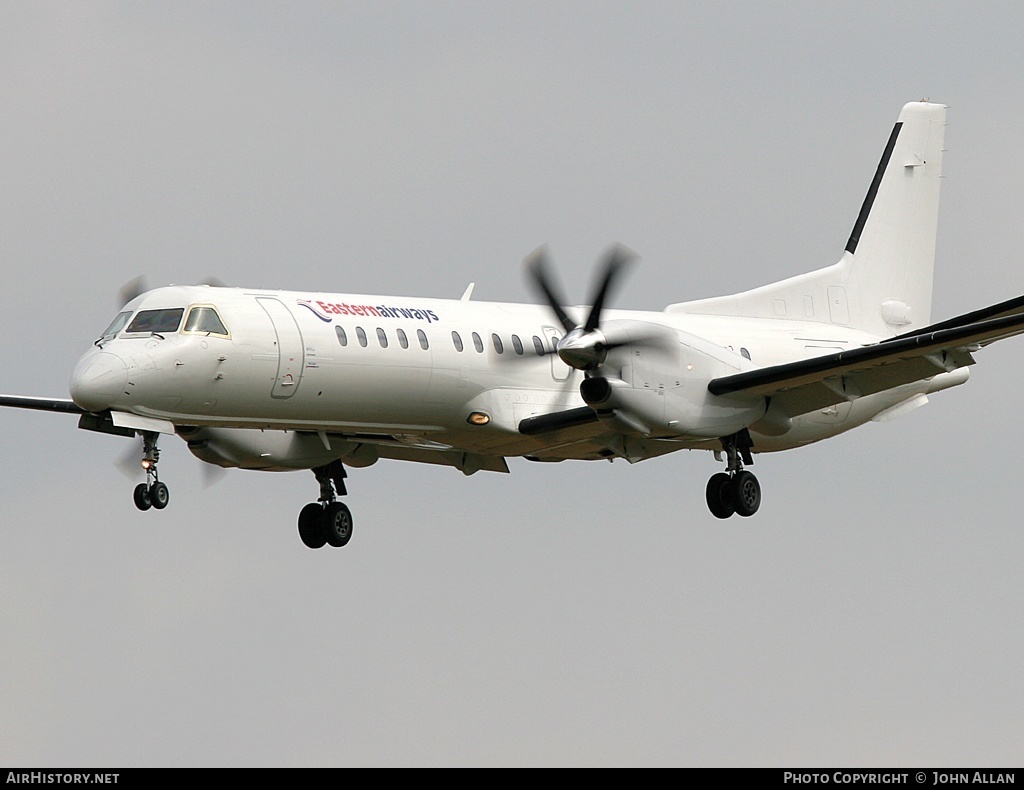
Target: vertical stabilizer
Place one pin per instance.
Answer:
(883, 282)
(890, 256)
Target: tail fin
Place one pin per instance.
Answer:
(883, 282)
(890, 256)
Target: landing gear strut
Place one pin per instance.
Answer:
(152, 493)
(735, 490)
(327, 521)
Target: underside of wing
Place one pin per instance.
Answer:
(810, 384)
(557, 421)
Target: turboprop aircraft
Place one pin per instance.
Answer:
(277, 380)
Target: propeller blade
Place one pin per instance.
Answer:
(584, 347)
(212, 474)
(138, 285)
(537, 265)
(131, 289)
(616, 260)
(654, 337)
(129, 462)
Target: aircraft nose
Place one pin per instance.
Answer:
(98, 381)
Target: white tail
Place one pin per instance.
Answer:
(883, 282)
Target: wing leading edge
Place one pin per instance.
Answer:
(806, 385)
(41, 404)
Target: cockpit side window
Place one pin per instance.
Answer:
(117, 324)
(157, 320)
(205, 320)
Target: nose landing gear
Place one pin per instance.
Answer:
(736, 490)
(327, 521)
(152, 493)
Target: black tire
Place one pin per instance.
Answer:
(337, 524)
(719, 495)
(141, 497)
(159, 496)
(746, 493)
(311, 525)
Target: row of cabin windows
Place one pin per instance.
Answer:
(499, 345)
(382, 337)
(421, 336)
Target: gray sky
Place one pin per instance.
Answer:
(572, 614)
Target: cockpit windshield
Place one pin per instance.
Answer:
(205, 320)
(117, 324)
(161, 321)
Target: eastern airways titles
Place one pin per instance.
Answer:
(324, 311)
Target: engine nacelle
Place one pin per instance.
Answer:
(661, 389)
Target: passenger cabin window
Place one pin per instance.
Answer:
(478, 344)
(517, 344)
(456, 340)
(403, 341)
(382, 337)
(157, 320)
(538, 346)
(342, 337)
(423, 339)
(205, 321)
(361, 336)
(497, 344)
(745, 353)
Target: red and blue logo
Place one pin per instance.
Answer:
(309, 305)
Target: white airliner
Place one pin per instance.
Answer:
(276, 380)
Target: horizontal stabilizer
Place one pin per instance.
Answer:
(1013, 306)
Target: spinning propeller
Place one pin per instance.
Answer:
(138, 286)
(585, 346)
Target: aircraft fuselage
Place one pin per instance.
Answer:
(442, 374)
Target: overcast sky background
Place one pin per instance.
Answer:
(571, 614)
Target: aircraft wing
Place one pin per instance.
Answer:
(41, 404)
(816, 383)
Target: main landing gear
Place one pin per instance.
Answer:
(327, 521)
(735, 490)
(152, 493)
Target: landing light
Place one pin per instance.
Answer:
(146, 463)
(478, 418)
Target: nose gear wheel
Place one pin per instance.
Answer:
(152, 493)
